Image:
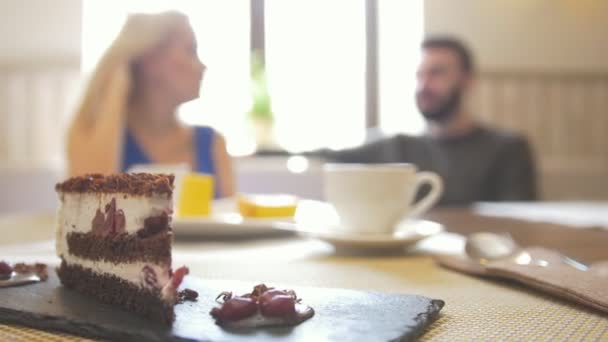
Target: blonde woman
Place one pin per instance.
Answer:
(128, 113)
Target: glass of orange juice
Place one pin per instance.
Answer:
(196, 195)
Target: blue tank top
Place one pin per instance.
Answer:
(203, 161)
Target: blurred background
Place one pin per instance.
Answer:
(286, 76)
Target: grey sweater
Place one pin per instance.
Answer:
(484, 165)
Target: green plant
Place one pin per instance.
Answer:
(261, 107)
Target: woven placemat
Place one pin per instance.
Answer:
(476, 309)
(525, 317)
(23, 334)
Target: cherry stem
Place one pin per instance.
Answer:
(226, 295)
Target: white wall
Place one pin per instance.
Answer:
(527, 34)
(39, 77)
(35, 30)
(530, 49)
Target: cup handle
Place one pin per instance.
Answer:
(432, 197)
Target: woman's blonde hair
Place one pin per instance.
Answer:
(95, 138)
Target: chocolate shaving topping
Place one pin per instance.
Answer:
(38, 268)
(187, 295)
(129, 183)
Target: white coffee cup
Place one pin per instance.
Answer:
(374, 198)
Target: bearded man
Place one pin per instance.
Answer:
(477, 163)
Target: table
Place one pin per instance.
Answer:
(589, 245)
(475, 308)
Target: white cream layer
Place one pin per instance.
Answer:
(131, 272)
(77, 211)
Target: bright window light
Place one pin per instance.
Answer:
(297, 164)
(315, 63)
(315, 54)
(400, 32)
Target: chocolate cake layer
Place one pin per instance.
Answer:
(115, 291)
(129, 183)
(122, 248)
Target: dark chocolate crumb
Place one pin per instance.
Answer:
(154, 225)
(38, 268)
(5, 270)
(128, 183)
(187, 295)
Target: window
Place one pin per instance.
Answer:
(400, 31)
(315, 54)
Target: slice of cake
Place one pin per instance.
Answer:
(114, 240)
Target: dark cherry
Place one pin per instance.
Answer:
(5, 270)
(188, 295)
(120, 222)
(98, 223)
(269, 302)
(154, 225)
(279, 306)
(112, 222)
(235, 309)
(269, 294)
(149, 275)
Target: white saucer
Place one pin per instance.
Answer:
(229, 225)
(406, 234)
(319, 220)
(226, 222)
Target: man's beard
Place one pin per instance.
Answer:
(446, 110)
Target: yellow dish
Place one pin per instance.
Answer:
(267, 206)
(196, 195)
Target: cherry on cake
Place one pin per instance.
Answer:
(114, 239)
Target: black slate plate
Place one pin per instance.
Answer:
(341, 315)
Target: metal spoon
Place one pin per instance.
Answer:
(486, 247)
(17, 279)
